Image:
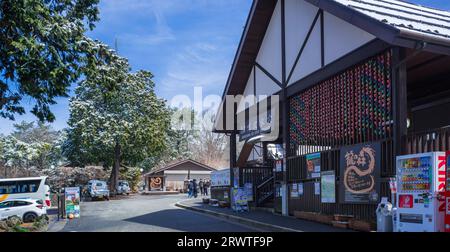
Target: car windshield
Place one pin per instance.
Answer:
(99, 184)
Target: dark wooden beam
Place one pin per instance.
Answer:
(400, 100)
(302, 48)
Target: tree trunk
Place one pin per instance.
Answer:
(115, 169)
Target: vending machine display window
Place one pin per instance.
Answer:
(415, 175)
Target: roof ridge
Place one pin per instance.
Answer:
(409, 11)
(417, 5)
(404, 18)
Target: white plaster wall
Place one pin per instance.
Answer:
(310, 60)
(299, 18)
(265, 85)
(249, 90)
(269, 55)
(342, 38)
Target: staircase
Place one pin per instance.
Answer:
(265, 192)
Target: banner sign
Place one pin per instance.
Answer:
(72, 200)
(360, 173)
(313, 165)
(239, 199)
(220, 178)
(328, 187)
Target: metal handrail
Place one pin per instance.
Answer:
(271, 178)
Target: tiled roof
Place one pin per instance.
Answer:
(407, 17)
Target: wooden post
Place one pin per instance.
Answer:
(400, 100)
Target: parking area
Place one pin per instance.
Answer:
(146, 214)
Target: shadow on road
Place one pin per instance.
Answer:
(183, 220)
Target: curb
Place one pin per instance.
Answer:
(249, 222)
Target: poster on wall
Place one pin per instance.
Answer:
(360, 173)
(279, 165)
(313, 165)
(72, 200)
(328, 187)
(300, 189)
(294, 191)
(156, 183)
(316, 188)
(248, 188)
(220, 178)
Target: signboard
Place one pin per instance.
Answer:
(313, 165)
(220, 178)
(239, 199)
(248, 188)
(294, 191)
(360, 172)
(328, 187)
(72, 200)
(156, 183)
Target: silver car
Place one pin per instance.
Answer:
(98, 189)
(123, 187)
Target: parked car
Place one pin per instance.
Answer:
(98, 189)
(26, 209)
(48, 201)
(123, 187)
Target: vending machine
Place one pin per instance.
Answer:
(420, 192)
(447, 195)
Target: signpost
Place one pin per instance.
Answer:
(72, 202)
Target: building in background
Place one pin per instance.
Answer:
(360, 82)
(173, 177)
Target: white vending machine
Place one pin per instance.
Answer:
(420, 191)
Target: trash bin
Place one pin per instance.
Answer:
(384, 217)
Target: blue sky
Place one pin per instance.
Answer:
(184, 43)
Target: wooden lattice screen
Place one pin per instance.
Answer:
(352, 107)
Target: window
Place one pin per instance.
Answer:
(15, 187)
(6, 204)
(99, 184)
(21, 203)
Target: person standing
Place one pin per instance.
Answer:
(201, 184)
(194, 188)
(206, 187)
(190, 189)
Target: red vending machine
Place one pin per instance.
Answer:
(447, 194)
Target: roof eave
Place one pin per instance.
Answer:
(383, 31)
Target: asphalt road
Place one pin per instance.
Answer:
(146, 214)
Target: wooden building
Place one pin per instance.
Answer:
(173, 177)
(360, 82)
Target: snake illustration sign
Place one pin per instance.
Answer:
(360, 172)
(156, 183)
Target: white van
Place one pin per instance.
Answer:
(23, 188)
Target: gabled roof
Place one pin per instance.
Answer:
(416, 19)
(177, 163)
(396, 22)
